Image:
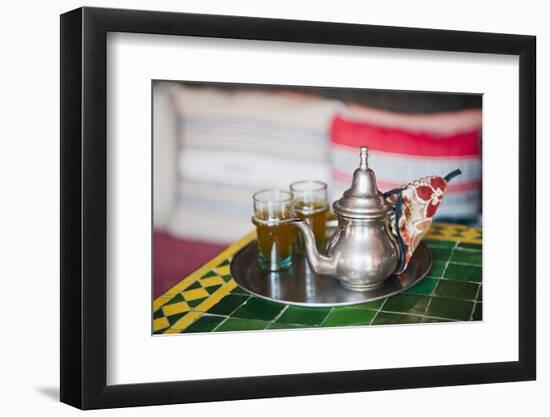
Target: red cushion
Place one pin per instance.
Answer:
(399, 141)
(399, 156)
(174, 259)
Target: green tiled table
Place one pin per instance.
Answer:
(209, 300)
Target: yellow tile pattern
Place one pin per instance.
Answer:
(448, 231)
(161, 323)
(189, 318)
(171, 309)
(209, 282)
(223, 270)
(194, 294)
(209, 275)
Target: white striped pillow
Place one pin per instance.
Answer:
(232, 144)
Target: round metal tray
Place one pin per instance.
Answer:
(299, 285)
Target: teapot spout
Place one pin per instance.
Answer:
(319, 263)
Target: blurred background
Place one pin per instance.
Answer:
(215, 144)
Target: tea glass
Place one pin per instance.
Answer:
(310, 204)
(273, 212)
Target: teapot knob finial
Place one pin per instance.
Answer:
(364, 154)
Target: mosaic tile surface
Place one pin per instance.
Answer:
(209, 300)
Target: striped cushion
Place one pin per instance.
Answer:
(400, 155)
(232, 144)
(164, 154)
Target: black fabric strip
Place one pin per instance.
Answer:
(402, 245)
(452, 174)
(394, 191)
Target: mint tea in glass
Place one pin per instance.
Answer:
(310, 204)
(273, 213)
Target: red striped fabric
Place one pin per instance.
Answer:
(378, 138)
(387, 185)
(400, 156)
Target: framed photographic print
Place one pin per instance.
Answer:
(258, 208)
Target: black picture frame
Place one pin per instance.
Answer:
(84, 207)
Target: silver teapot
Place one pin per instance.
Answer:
(363, 251)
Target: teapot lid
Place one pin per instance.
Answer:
(362, 199)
